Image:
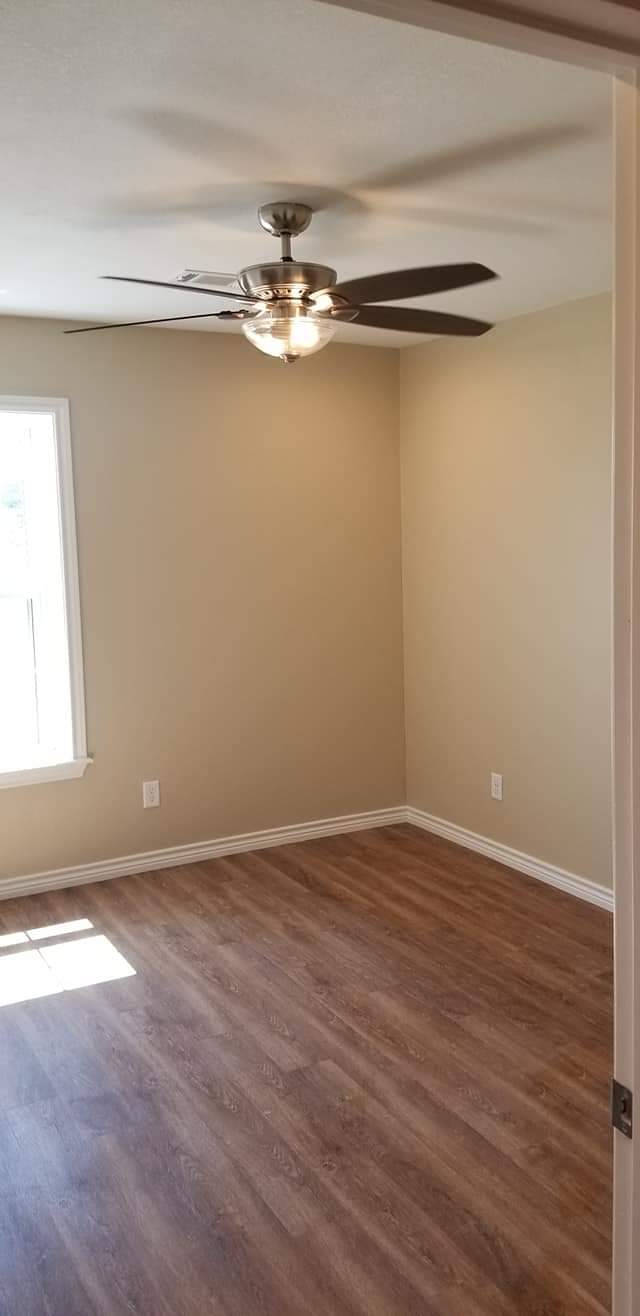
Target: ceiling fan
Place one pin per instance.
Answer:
(292, 308)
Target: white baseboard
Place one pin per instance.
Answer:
(194, 853)
(175, 855)
(523, 863)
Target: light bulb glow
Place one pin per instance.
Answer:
(288, 330)
(304, 334)
(323, 301)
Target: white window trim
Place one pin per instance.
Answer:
(76, 766)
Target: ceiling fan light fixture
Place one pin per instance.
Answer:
(292, 308)
(289, 330)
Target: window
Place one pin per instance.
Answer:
(42, 731)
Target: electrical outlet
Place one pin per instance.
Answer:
(151, 794)
(496, 785)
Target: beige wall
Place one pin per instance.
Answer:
(240, 561)
(239, 544)
(506, 524)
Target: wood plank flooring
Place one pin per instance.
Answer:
(360, 1076)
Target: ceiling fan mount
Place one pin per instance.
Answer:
(284, 219)
(292, 308)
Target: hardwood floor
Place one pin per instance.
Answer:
(361, 1075)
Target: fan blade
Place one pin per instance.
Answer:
(228, 204)
(462, 216)
(397, 284)
(166, 319)
(195, 135)
(183, 287)
(413, 320)
(481, 153)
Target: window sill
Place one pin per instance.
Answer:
(34, 776)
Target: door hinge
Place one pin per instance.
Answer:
(622, 1108)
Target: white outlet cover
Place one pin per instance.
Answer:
(150, 794)
(496, 785)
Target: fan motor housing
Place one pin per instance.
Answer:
(285, 278)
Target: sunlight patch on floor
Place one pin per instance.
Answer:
(25, 976)
(12, 939)
(59, 929)
(58, 967)
(85, 962)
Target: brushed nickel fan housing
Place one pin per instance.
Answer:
(285, 278)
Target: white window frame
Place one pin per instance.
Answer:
(76, 766)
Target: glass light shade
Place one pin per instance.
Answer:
(288, 330)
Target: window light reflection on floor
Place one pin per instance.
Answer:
(12, 938)
(59, 929)
(24, 976)
(58, 967)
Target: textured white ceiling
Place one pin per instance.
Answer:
(139, 137)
